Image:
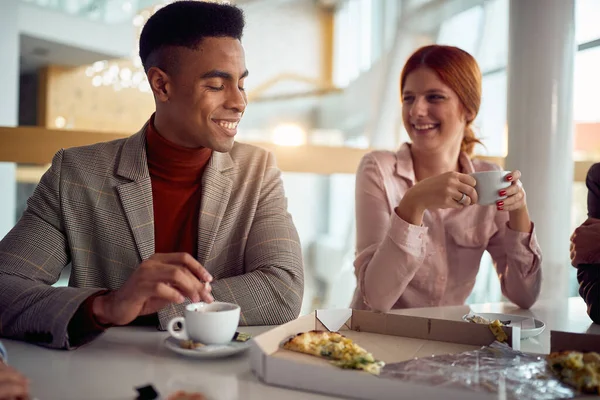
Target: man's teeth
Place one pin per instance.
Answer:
(228, 125)
(423, 127)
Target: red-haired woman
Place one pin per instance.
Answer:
(420, 233)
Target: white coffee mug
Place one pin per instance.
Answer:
(489, 184)
(213, 323)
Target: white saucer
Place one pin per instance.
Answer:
(515, 320)
(209, 351)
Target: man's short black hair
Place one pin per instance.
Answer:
(185, 24)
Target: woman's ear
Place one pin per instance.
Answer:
(469, 117)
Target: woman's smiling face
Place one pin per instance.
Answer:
(432, 112)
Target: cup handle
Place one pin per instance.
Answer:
(181, 335)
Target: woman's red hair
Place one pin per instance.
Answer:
(460, 72)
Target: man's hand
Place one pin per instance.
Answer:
(585, 243)
(160, 280)
(13, 385)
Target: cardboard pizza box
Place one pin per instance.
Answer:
(584, 342)
(389, 337)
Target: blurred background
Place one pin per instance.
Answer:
(323, 90)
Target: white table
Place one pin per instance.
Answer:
(123, 358)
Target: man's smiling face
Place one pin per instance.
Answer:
(205, 94)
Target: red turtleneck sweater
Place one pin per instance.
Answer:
(176, 175)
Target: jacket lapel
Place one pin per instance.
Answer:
(216, 190)
(136, 196)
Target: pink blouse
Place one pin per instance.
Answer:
(399, 265)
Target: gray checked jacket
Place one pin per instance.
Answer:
(93, 209)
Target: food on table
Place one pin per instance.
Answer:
(341, 350)
(495, 326)
(182, 395)
(241, 337)
(190, 344)
(577, 369)
(476, 319)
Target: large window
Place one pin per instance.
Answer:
(586, 86)
(487, 40)
(363, 31)
(586, 113)
(587, 28)
(453, 32)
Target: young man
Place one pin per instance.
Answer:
(177, 212)
(585, 247)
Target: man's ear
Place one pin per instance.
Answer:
(160, 84)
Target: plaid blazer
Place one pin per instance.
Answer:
(93, 209)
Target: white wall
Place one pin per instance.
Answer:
(282, 39)
(9, 82)
(116, 40)
(9, 63)
(370, 105)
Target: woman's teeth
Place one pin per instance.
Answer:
(424, 127)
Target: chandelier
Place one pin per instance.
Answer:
(128, 73)
(124, 73)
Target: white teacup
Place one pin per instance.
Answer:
(489, 184)
(213, 323)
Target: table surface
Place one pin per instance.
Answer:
(126, 357)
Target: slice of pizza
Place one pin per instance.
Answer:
(577, 369)
(496, 328)
(342, 351)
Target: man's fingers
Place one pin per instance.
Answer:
(168, 293)
(179, 278)
(10, 375)
(591, 221)
(13, 391)
(206, 295)
(183, 280)
(187, 261)
(13, 385)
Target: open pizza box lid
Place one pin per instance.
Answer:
(389, 337)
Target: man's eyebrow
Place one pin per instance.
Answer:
(221, 74)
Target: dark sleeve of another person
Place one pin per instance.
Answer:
(593, 184)
(588, 276)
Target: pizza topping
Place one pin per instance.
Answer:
(577, 369)
(343, 352)
(496, 328)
